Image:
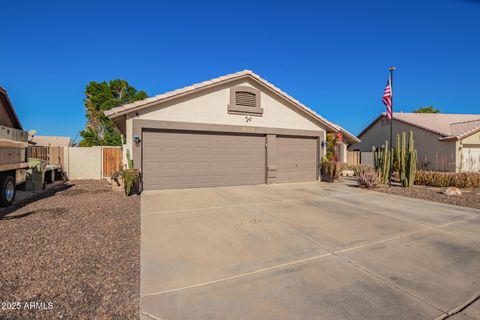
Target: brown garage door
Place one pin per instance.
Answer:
(296, 159)
(180, 159)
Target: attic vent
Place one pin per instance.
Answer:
(247, 99)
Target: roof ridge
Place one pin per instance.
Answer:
(466, 121)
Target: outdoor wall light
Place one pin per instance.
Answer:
(136, 139)
(324, 144)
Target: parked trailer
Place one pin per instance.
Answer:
(13, 162)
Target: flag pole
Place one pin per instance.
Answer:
(391, 130)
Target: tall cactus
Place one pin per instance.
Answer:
(407, 160)
(396, 155)
(411, 161)
(403, 159)
(129, 160)
(381, 161)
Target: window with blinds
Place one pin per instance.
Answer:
(246, 99)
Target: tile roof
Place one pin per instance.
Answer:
(127, 108)
(447, 125)
(462, 128)
(54, 141)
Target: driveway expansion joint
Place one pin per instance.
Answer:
(160, 212)
(148, 315)
(337, 254)
(420, 225)
(460, 308)
(329, 253)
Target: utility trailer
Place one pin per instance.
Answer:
(13, 162)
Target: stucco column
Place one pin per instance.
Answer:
(271, 158)
(321, 150)
(136, 152)
(343, 152)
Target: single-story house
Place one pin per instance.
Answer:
(444, 142)
(8, 117)
(50, 141)
(237, 129)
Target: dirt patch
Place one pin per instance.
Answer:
(74, 255)
(469, 198)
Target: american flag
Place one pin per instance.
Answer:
(387, 98)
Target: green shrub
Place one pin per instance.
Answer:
(130, 177)
(328, 170)
(447, 179)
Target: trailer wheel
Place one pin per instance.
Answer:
(7, 188)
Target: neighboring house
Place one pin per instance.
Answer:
(445, 142)
(50, 141)
(233, 130)
(8, 117)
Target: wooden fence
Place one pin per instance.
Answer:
(112, 160)
(53, 155)
(353, 157)
(81, 163)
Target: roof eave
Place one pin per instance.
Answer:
(246, 74)
(461, 136)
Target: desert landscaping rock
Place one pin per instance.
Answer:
(468, 198)
(78, 249)
(452, 191)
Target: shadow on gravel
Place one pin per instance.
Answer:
(23, 215)
(17, 205)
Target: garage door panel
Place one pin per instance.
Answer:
(296, 159)
(187, 160)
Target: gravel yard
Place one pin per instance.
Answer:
(78, 250)
(469, 198)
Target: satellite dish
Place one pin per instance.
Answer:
(32, 132)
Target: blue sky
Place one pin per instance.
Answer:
(331, 55)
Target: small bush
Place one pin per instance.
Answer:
(368, 178)
(328, 170)
(447, 179)
(130, 178)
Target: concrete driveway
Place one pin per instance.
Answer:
(305, 251)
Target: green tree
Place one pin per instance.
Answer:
(101, 96)
(428, 109)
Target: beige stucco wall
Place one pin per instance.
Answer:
(83, 163)
(342, 150)
(210, 106)
(472, 141)
(432, 153)
(128, 138)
